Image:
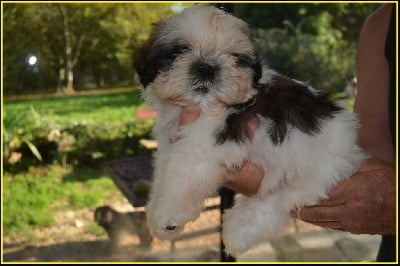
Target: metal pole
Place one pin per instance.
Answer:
(227, 200)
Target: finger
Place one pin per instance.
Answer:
(245, 180)
(333, 225)
(334, 199)
(188, 115)
(319, 214)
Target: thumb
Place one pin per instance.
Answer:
(188, 115)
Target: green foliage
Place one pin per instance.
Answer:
(314, 42)
(347, 17)
(20, 130)
(103, 38)
(323, 59)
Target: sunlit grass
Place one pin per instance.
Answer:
(66, 111)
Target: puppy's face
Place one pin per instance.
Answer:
(201, 56)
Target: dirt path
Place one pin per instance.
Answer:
(76, 237)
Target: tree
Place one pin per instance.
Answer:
(311, 42)
(74, 41)
(69, 58)
(347, 17)
(19, 42)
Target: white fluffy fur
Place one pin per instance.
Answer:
(298, 172)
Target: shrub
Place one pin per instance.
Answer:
(323, 59)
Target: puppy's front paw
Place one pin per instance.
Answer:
(165, 223)
(250, 222)
(167, 230)
(238, 234)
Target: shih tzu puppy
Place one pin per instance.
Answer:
(305, 143)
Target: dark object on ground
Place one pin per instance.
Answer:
(118, 224)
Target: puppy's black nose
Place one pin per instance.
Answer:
(204, 71)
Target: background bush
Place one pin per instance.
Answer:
(324, 60)
(314, 42)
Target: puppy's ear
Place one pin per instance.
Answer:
(157, 55)
(144, 59)
(142, 63)
(257, 68)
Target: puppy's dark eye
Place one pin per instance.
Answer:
(248, 62)
(178, 50)
(167, 56)
(243, 60)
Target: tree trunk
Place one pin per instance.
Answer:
(68, 60)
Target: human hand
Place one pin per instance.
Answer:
(245, 179)
(365, 203)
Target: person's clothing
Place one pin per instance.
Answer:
(387, 249)
(390, 53)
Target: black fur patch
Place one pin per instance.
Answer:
(287, 103)
(155, 59)
(152, 58)
(236, 123)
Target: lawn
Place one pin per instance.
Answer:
(32, 198)
(65, 111)
(64, 171)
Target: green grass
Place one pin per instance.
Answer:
(67, 111)
(92, 127)
(31, 199)
(103, 125)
